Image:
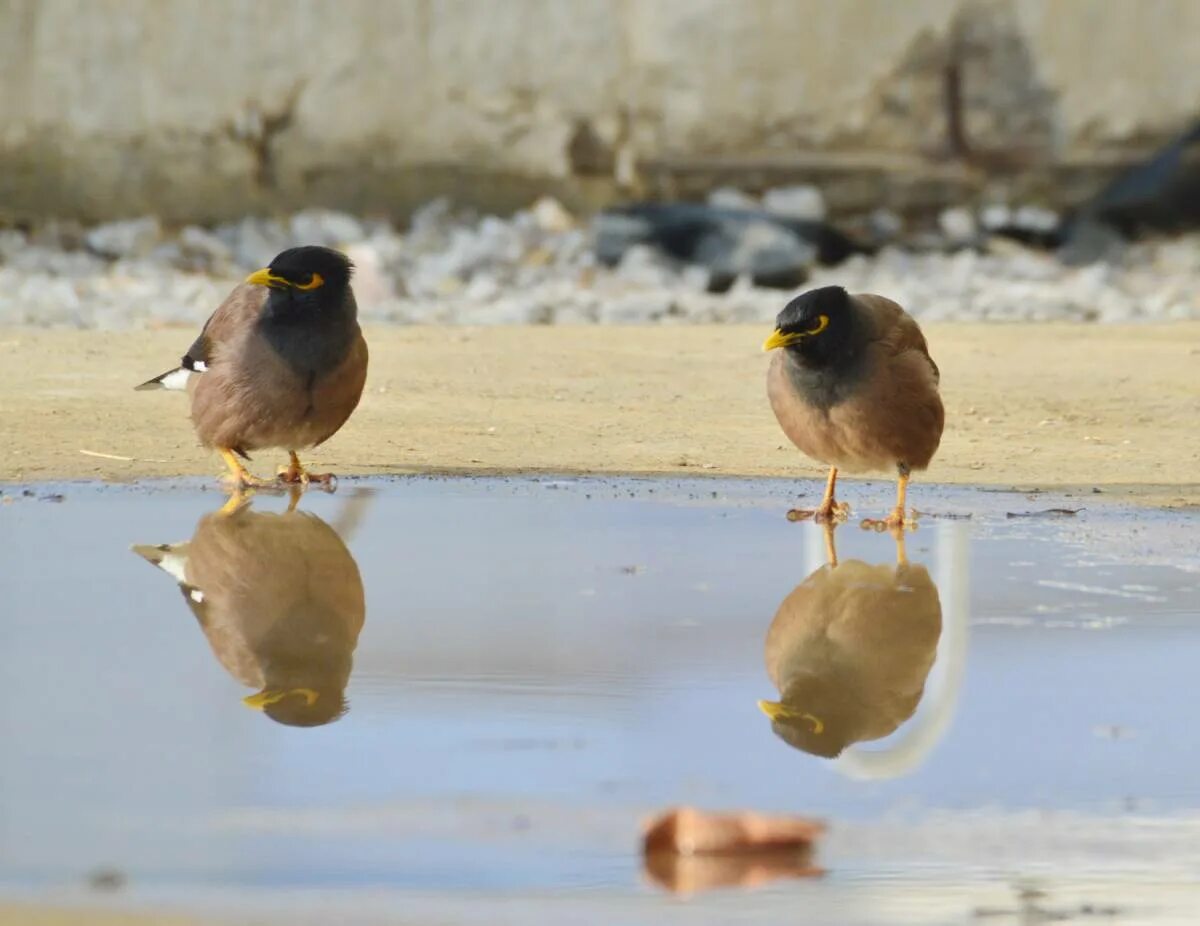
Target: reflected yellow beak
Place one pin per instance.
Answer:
(265, 277)
(269, 696)
(779, 339)
(773, 709)
(777, 711)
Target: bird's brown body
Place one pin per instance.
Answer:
(281, 363)
(889, 414)
(253, 398)
(855, 388)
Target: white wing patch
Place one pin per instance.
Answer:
(175, 565)
(176, 379)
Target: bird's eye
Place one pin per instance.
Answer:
(821, 324)
(313, 282)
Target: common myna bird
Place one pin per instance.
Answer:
(854, 387)
(280, 599)
(281, 363)
(849, 651)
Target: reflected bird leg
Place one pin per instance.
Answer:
(830, 511)
(238, 499)
(830, 545)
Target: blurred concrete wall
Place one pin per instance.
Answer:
(207, 108)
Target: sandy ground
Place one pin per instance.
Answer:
(1028, 405)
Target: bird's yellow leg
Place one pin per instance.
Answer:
(896, 521)
(238, 476)
(295, 474)
(901, 552)
(830, 511)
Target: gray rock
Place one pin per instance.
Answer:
(130, 238)
(644, 265)
(636, 308)
(551, 216)
(254, 241)
(576, 312)
(512, 310)
(200, 249)
(1036, 219)
(796, 202)
(958, 225)
(996, 216)
(613, 235)
(12, 243)
(728, 197)
(884, 226)
(759, 249)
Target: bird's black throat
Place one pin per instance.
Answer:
(827, 368)
(312, 335)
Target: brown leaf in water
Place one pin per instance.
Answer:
(687, 850)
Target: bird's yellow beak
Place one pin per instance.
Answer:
(269, 696)
(779, 339)
(775, 710)
(265, 277)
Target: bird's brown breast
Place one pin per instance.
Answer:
(251, 398)
(882, 411)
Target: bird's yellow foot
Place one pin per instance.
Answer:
(239, 478)
(896, 522)
(828, 512)
(294, 474)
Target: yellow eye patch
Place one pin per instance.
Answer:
(318, 280)
(821, 325)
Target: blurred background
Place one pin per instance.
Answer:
(578, 161)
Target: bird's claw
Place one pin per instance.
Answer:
(896, 522)
(242, 482)
(299, 476)
(830, 513)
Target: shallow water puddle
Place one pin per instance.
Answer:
(524, 668)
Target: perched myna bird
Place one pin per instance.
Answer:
(855, 388)
(281, 363)
(849, 651)
(280, 599)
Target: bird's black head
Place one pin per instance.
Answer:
(817, 325)
(307, 275)
(815, 720)
(300, 707)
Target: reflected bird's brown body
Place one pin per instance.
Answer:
(280, 600)
(849, 651)
(855, 388)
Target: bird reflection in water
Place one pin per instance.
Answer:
(280, 599)
(849, 651)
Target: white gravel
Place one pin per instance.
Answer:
(537, 267)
